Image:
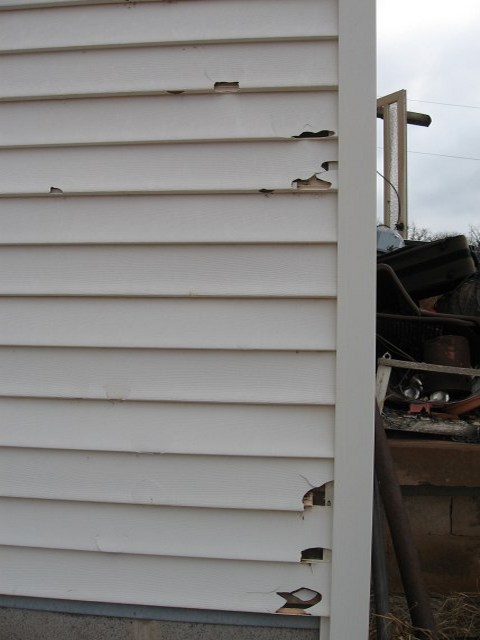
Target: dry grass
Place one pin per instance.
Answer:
(457, 617)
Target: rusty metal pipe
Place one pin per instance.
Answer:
(419, 119)
(379, 569)
(405, 551)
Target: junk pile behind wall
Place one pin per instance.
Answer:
(428, 311)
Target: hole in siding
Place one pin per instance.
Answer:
(296, 602)
(308, 500)
(329, 165)
(319, 496)
(266, 192)
(314, 554)
(176, 93)
(55, 190)
(324, 133)
(314, 183)
(226, 87)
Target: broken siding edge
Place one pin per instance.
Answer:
(161, 92)
(247, 296)
(168, 401)
(14, 5)
(177, 141)
(143, 452)
(159, 556)
(176, 243)
(163, 454)
(168, 43)
(159, 192)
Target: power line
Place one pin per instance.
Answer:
(442, 155)
(447, 104)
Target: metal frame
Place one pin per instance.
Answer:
(395, 188)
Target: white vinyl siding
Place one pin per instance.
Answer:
(190, 68)
(164, 119)
(171, 263)
(195, 582)
(168, 427)
(180, 218)
(165, 167)
(163, 531)
(125, 24)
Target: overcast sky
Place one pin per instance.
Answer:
(431, 48)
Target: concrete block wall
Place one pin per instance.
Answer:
(441, 485)
(23, 624)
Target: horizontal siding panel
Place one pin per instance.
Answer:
(167, 118)
(166, 531)
(168, 323)
(228, 482)
(164, 22)
(164, 167)
(9, 5)
(175, 428)
(296, 217)
(169, 68)
(195, 583)
(203, 376)
(169, 270)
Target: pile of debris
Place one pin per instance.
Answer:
(428, 334)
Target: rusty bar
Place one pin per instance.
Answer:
(379, 569)
(413, 117)
(407, 556)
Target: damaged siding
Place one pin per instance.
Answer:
(169, 279)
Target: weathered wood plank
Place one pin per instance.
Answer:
(427, 366)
